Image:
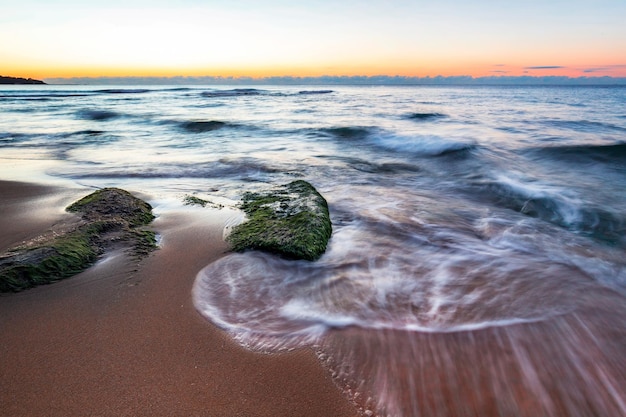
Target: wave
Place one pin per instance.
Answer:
(363, 165)
(236, 92)
(615, 152)
(585, 125)
(59, 144)
(27, 100)
(348, 132)
(43, 96)
(425, 116)
(555, 205)
(24, 110)
(202, 126)
(6, 136)
(88, 132)
(123, 91)
(313, 92)
(425, 145)
(239, 92)
(97, 115)
(245, 169)
(419, 145)
(9, 139)
(357, 283)
(177, 89)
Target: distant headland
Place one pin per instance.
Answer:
(15, 80)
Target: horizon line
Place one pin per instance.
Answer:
(343, 79)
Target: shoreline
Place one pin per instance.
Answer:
(123, 337)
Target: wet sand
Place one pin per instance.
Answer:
(570, 366)
(124, 339)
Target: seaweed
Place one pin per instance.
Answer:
(191, 200)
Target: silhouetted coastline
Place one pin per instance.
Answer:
(17, 80)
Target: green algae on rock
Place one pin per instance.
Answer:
(109, 216)
(191, 200)
(291, 220)
(111, 204)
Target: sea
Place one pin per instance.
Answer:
(477, 265)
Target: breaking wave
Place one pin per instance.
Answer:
(555, 205)
(415, 144)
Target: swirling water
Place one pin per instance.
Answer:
(477, 260)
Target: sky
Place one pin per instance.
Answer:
(115, 38)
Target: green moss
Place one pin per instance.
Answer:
(292, 221)
(190, 200)
(113, 203)
(61, 258)
(144, 242)
(109, 215)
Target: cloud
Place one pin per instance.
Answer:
(542, 67)
(603, 69)
(590, 70)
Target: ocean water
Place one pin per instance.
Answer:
(479, 233)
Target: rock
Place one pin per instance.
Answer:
(113, 204)
(109, 216)
(291, 220)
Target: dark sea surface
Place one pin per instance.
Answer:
(478, 260)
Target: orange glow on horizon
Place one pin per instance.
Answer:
(404, 69)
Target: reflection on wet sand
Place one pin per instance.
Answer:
(572, 365)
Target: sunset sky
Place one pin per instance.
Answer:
(78, 38)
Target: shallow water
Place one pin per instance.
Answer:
(477, 231)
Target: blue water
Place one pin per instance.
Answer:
(454, 209)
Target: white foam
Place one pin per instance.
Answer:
(262, 296)
(422, 144)
(568, 205)
(300, 310)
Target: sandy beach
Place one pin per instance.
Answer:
(124, 339)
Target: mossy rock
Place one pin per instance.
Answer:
(60, 258)
(291, 220)
(110, 215)
(113, 203)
